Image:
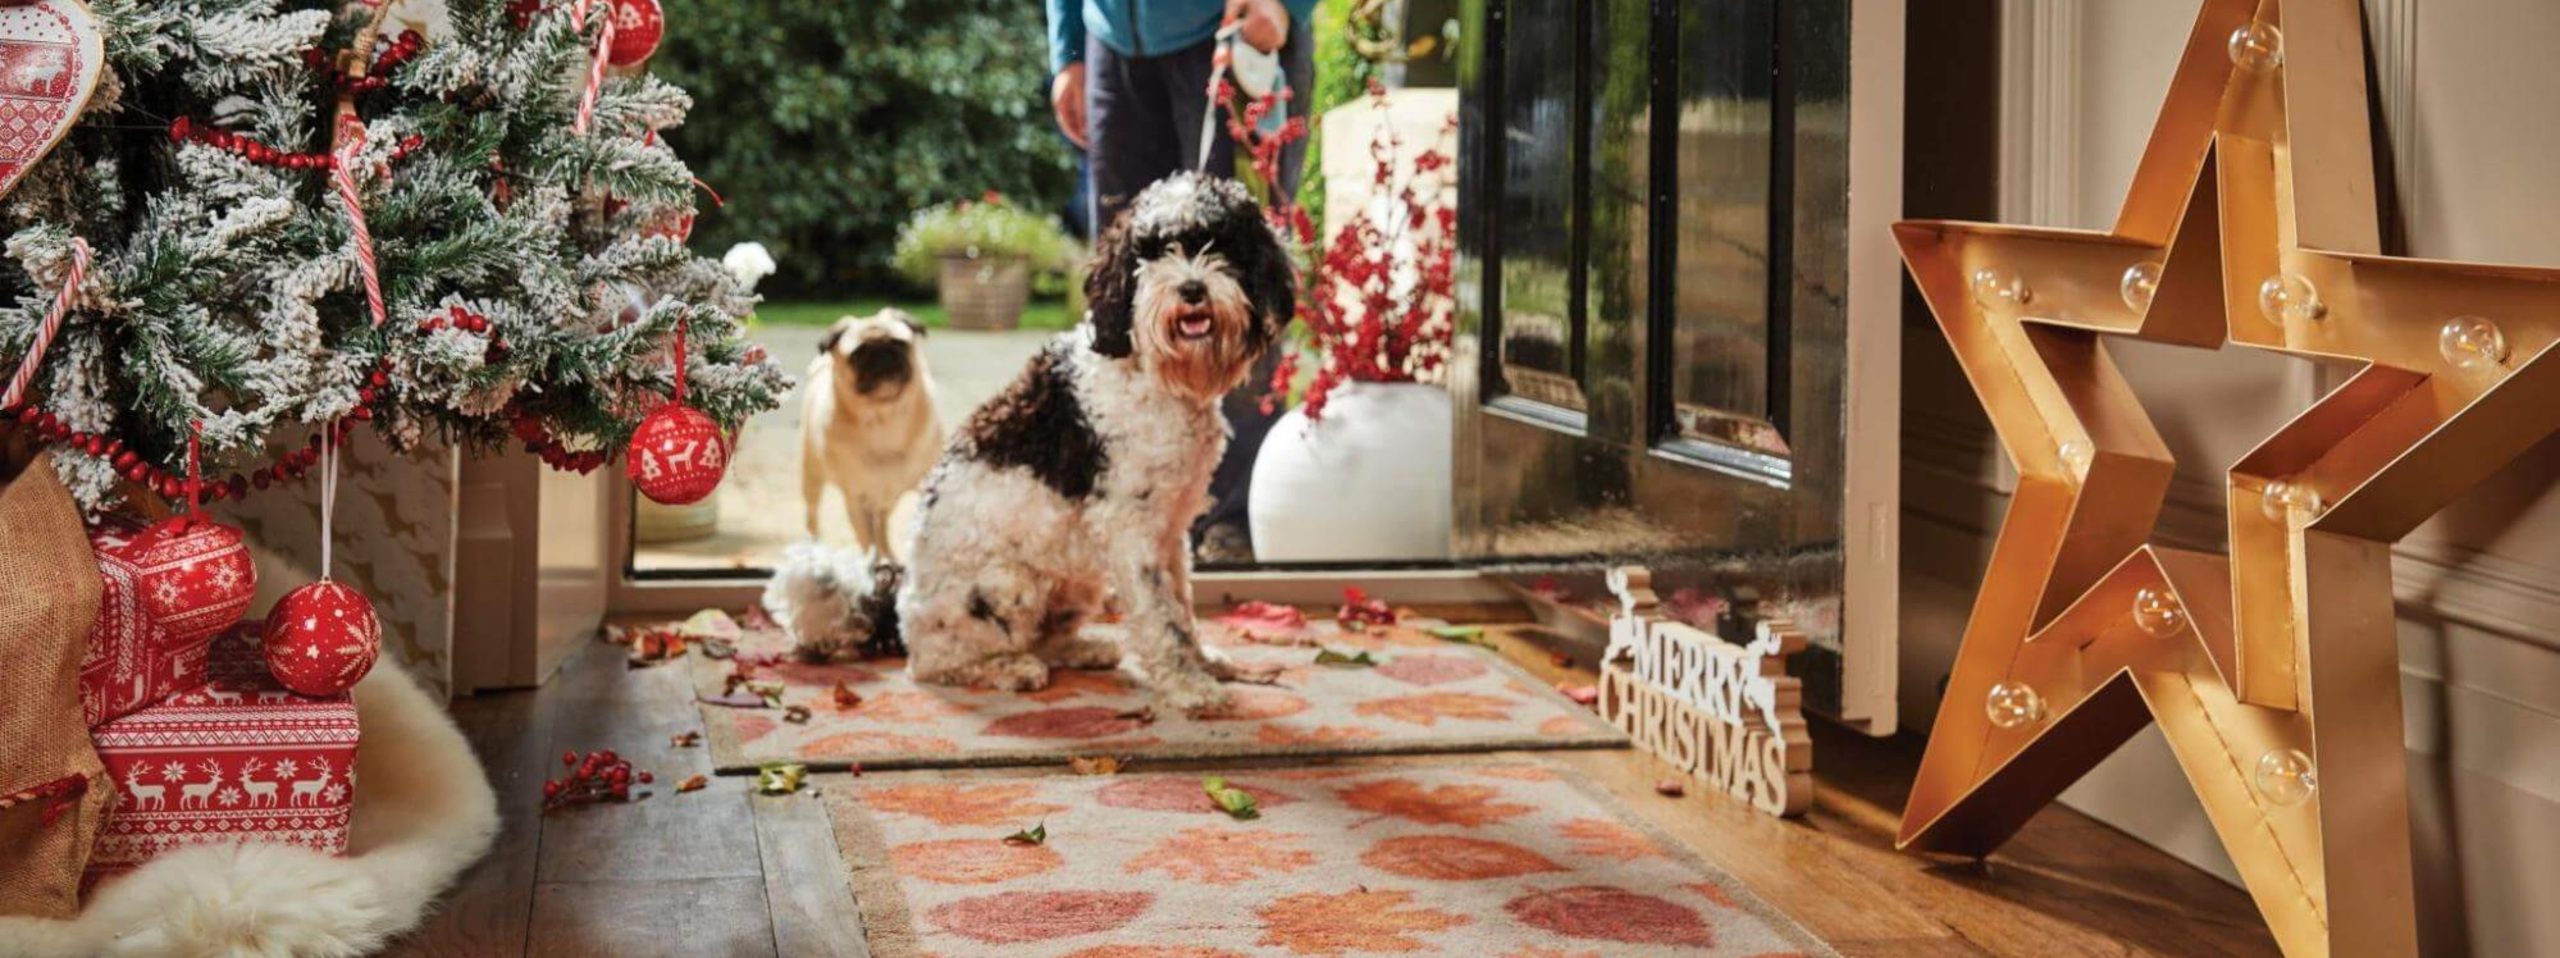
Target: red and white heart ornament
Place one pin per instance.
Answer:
(323, 637)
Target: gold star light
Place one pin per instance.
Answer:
(2274, 672)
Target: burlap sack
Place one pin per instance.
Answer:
(50, 778)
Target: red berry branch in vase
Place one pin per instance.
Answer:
(1381, 307)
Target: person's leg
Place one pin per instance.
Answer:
(1224, 534)
(1126, 128)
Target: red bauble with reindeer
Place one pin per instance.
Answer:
(321, 638)
(638, 25)
(678, 455)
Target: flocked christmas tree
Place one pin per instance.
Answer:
(530, 267)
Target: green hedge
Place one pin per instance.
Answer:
(825, 124)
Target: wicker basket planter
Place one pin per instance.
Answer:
(986, 292)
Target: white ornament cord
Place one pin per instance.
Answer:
(328, 495)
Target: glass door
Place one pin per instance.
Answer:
(1655, 235)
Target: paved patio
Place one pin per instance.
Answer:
(759, 507)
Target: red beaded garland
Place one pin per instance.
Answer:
(321, 638)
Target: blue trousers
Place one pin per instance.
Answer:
(1142, 119)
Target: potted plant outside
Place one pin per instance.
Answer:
(980, 255)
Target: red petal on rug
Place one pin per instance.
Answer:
(1154, 951)
(1264, 622)
(1463, 805)
(1082, 721)
(1431, 669)
(1019, 916)
(1358, 922)
(1247, 703)
(1454, 858)
(1612, 914)
(972, 861)
(1178, 793)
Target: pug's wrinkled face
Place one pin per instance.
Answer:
(875, 355)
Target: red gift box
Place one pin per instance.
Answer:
(238, 759)
(164, 599)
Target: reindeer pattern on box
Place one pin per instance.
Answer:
(236, 759)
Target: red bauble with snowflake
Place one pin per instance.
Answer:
(321, 638)
(637, 27)
(193, 577)
(677, 456)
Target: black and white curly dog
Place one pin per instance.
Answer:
(1084, 476)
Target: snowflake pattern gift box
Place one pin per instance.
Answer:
(236, 760)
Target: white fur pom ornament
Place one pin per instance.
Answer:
(838, 605)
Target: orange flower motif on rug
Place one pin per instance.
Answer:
(1362, 922)
(1345, 861)
(1430, 707)
(1221, 856)
(1419, 694)
(950, 803)
(1463, 805)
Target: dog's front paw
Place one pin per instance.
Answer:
(1189, 691)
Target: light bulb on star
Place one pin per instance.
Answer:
(2140, 283)
(2158, 613)
(1999, 289)
(2013, 705)
(2288, 298)
(2472, 343)
(2257, 48)
(2285, 776)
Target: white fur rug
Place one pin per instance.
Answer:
(423, 812)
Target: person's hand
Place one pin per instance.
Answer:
(1066, 99)
(1266, 22)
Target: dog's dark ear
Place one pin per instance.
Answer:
(1270, 279)
(1107, 291)
(835, 332)
(912, 325)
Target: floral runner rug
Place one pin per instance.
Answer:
(1469, 861)
(1395, 689)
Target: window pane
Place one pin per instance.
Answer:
(1720, 306)
(1537, 201)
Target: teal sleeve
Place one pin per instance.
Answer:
(1066, 33)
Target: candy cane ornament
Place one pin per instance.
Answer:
(52, 325)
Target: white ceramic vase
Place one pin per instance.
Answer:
(1369, 481)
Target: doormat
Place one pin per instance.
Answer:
(1494, 861)
(1407, 691)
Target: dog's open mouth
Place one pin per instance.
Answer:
(1194, 324)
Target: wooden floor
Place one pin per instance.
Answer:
(719, 872)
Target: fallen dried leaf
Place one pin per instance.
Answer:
(1236, 802)
(796, 714)
(685, 739)
(710, 624)
(846, 697)
(1143, 715)
(1580, 694)
(780, 778)
(735, 700)
(1033, 835)
(1672, 787)
(1096, 764)
(1265, 622)
(694, 784)
(1461, 634)
(1331, 657)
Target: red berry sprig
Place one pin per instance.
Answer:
(185, 130)
(598, 776)
(467, 321)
